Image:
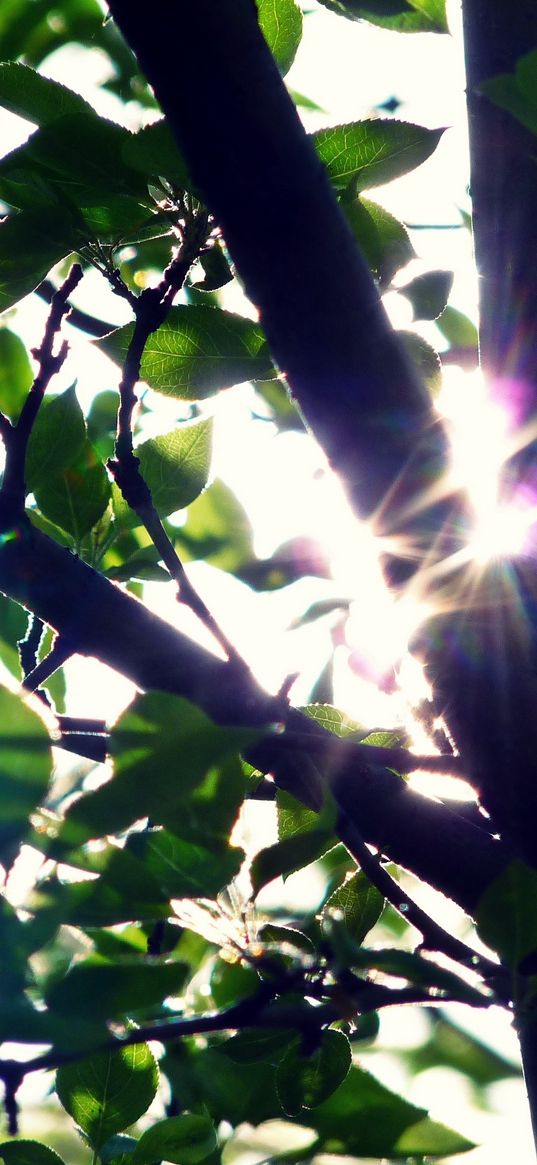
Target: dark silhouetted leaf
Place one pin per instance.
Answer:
(507, 913)
(184, 1139)
(28, 1153)
(428, 293)
(304, 1081)
(115, 990)
(30, 244)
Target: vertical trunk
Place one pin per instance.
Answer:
(504, 195)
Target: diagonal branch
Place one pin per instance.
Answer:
(99, 619)
(249, 155)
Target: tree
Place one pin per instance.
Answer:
(229, 180)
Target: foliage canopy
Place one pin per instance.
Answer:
(139, 961)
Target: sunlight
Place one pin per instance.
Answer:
(483, 438)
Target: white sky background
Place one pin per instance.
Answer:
(348, 68)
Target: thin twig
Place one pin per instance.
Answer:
(255, 1011)
(60, 652)
(434, 936)
(78, 318)
(13, 492)
(151, 309)
(399, 759)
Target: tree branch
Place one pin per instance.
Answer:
(249, 155)
(99, 619)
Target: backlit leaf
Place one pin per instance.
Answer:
(360, 903)
(397, 15)
(16, 374)
(370, 153)
(25, 768)
(176, 466)
(281, 24)
(196, 352)
(362, 1118)
(39, 99)
(107, 1092)
(383, 239)
(163, 748)
(57, 438)
(304, 1081)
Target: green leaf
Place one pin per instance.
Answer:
(428, 293)
(281, 24)
(163, 748)
(25, 768)
(360, 903)
(56, 440)
(335, 721)
(153, 152)
(70, 484)
(362, 1118)
(425, 358)
(184, 869)
(383, 239)
(304, 1081)
(37, 98)
(111, 990)
(371, 153)
(76, 498)
(13, 626)
(16, 374)
(118, 1150)
(100, 902)
(216, 268)
(516, 92)
(184, 1139)
(30, 244)
(448, 1045)
(432, 1139)
(507, 913)
(235, 1092)
(176, 466)
(231, 982)
(284, 857)
(259, 1045)
(458, 329)
(28, 1153)
(196, 352)
(84, 149)
(397, 15)
(108, 1092)
(217, 530)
